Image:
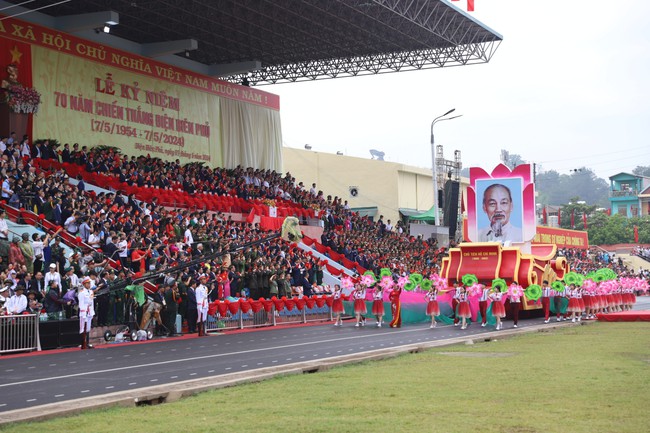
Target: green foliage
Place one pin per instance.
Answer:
(578, 210)
(617, 229)
(555, 188)
(642, 170)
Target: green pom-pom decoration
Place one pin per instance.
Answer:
(581, 279)
(558, 286)
(571, 278)
(469, 279)
(500, 285)
(598, 278)
(385, 272)
(371, 273)
(591, 275)
(410, 286)
(426, 285)
(416, 278)
(533, 292)
(607, 274)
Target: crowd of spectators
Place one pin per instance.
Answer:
(372, 244)
(140, 236)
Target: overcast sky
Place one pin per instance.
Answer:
(567, 88)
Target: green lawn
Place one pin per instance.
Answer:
(590, 379)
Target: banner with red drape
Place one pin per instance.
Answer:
(19, 56)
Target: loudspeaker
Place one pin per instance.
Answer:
(441, 199)
(451, 207)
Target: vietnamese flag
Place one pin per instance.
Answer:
(636, 234)
(251, 216)
(559, 217)
(544, 216)
(19, 55)
(470, 5)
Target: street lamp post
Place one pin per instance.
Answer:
(433, 161)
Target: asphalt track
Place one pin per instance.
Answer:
(62, 376)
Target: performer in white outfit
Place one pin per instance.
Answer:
(202, 304)
(86, 311)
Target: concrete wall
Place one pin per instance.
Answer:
(387, 185)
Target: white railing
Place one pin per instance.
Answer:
(19, 333)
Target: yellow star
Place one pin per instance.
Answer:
(15, 55)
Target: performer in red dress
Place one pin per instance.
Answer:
(498, 310)
(337, 305)
(464, 311)
(359, 296)
(576, 305)
(378, 305)
(433, 309)
(396, 307)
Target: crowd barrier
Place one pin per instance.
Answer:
(255, 314)
(19, 333)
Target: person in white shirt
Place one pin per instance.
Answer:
(4, 229)
(123, 248)
(86, 311)
(25, 150)
(17, 303)
(202, 304)
(188, 238)
(52, 275)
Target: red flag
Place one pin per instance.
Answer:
(584, 220)
(636, 234)
(559, 217)
(609, 211)
(251, 216)
(470, 5)
(573, 218)
(544, 216)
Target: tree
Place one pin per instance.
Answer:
(577, 208)
(555, 188)
(617, 229)
(511, 160)
(642, 170)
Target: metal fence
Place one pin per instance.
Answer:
(262, 318)
(19, 333)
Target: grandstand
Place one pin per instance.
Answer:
(152, 150)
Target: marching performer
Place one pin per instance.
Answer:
(337, 304)
(546, 301)
(483, 306)
(359, 296)
(515, 304)
(202, 304)
(464, 311)
(498, 310)
(86, 311)
(378, 304)
(396, 306)
(433, 309)
(454, 302)
(576, 304)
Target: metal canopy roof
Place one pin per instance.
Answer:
(297, 40)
